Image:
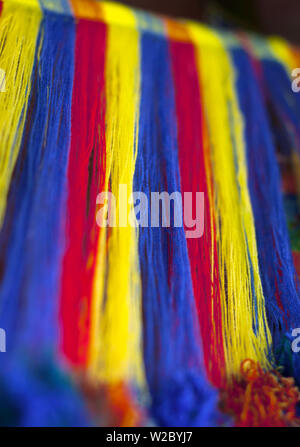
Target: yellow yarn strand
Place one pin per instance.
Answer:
(18, 36)
(281, 50)
(235, 231)
(116, 347)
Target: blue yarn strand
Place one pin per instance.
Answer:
(33, 385)
(179, 390)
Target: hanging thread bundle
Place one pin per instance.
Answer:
(136, 323)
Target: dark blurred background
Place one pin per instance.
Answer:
(281, 17)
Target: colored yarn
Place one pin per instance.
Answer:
(195, 176)
(38, 394)
(172, 352)
(86, 176)
(31, 239)
(113, 405)
(261, 399)
(285, 103)
(279, 280)
(136, 323)
(245, 331)
(18, 38)
(121, 312)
